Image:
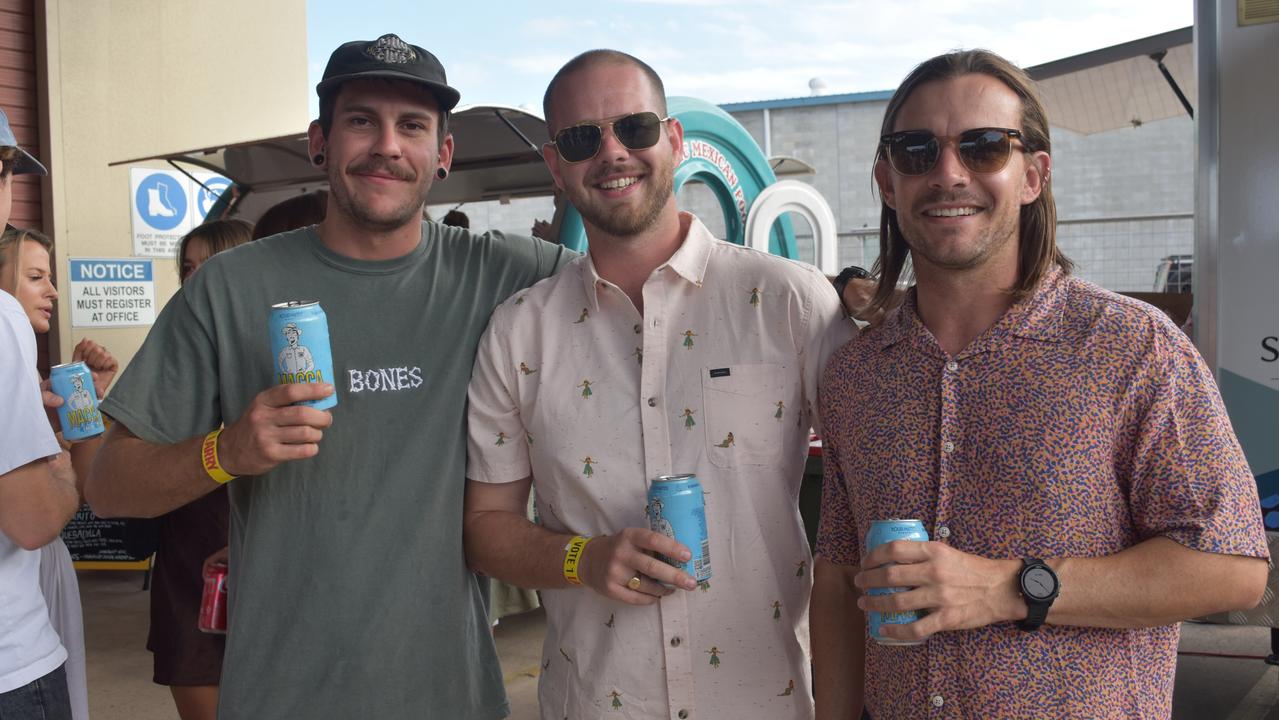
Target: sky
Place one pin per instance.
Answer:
(728, 51)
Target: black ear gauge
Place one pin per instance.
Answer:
(441, 173)
(318, 159)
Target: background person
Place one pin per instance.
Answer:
(291, 214)
(185, 659)
(456, 218)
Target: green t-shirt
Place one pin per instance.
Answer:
(350, 595)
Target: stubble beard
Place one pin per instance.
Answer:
(658, 187)
(365, 217)
(939, 251)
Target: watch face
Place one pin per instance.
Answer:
(1039, 583)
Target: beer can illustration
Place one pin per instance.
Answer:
(677, 509)
(79, 412)
(213, 599)
(886, 531)
(300, 351)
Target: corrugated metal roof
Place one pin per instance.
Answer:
(810, 100)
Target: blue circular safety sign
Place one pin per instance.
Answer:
(161, 201)
(209, 194)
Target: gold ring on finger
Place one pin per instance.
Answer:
(633, 583)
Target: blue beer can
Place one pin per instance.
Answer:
(79, 412)
(886, 531)
(677, 509)
(300, 351)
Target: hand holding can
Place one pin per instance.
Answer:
(300, 349)
(277, 427)
(213, 602)
(677, 509)
(883, 532)
(78, 414)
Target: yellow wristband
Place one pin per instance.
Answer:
(573, 557)
(209, 456)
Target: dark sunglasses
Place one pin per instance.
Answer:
(638, 131)
(981, 150)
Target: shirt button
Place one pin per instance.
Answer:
(675, 641)
(948, 446)
(638, 329)
(682, 714)
(652, 402)
(938, 701)
(952, 366)
(943, 532)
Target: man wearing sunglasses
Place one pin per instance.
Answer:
(663, 351)
(1065, 447)
(350, 596)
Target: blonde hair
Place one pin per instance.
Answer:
(11, 255)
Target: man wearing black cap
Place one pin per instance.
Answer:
(349, 593)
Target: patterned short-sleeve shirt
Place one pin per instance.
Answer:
(1080, 424)
(717, 377)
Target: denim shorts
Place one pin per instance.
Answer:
(41, 699)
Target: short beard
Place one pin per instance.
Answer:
(631, 224)
(364, 218)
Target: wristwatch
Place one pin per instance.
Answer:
(1039, 587)
(852, 272)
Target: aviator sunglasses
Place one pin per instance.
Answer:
(981, 150)
(637, 131)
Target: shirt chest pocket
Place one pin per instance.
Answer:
(747, 410)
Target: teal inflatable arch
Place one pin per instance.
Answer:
(719, 153)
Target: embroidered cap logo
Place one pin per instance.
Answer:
(391, 49)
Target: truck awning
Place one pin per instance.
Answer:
(496, 155)
(1122, 85)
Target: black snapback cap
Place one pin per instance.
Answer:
(392, 58)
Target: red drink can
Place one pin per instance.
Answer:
(213, 602)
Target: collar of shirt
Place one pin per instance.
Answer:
(1038, 317)
(689, 261)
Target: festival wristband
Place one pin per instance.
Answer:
(209, 457)
(573, 558)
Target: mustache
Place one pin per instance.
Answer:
(940, 197)
(614, 170)
(378, 165)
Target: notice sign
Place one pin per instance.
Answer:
(165, 206)
(112, 292)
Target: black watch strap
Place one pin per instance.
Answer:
(1036, 605)
(852, 272)
(1036, 614)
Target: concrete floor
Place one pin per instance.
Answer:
(1208, 686)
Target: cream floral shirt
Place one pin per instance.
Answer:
(718, 378)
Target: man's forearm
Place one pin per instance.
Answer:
(1156, 582)
(36, 501)
(837, 634)
(131, 477)
(82, 454)
(506, 546)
